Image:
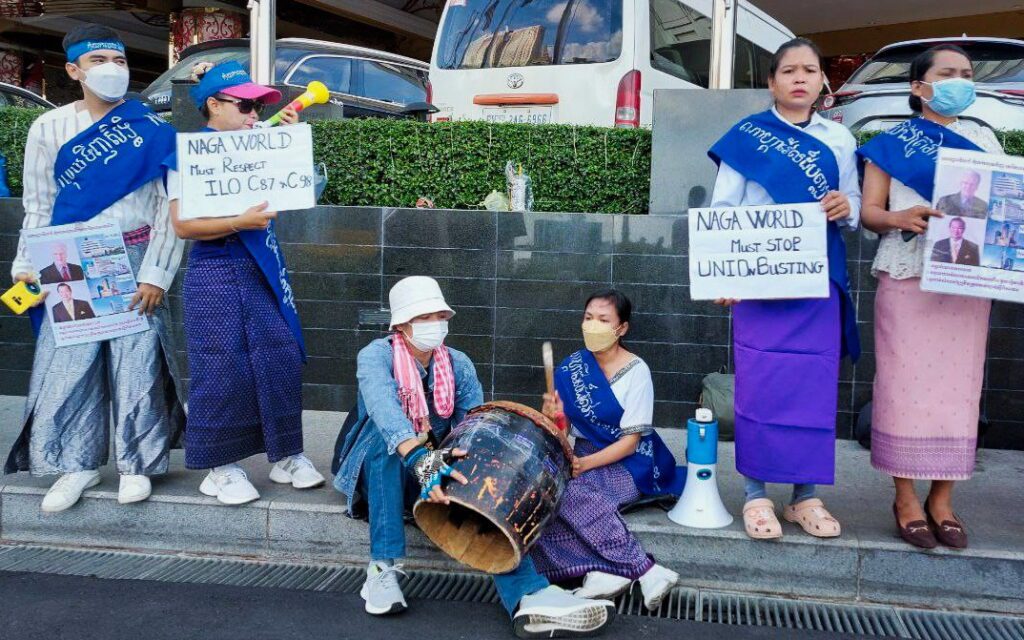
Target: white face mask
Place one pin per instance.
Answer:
(427, 336)
(108, 81)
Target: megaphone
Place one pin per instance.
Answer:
(316, 93)
(700, 506)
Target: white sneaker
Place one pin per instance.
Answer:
(133, 489)
(68, 488)
(298, 471)
(601, 585)
(381, 592)
(655, 585)
(553, 612)
(229, 485)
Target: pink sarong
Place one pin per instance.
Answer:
(930, 362)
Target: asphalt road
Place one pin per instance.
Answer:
(53, 607)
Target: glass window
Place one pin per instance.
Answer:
(18, 100)
(993, 62)
(392, 83)
(481, 34)
(182, 70)
(680, 41)
(750, 65)
(333, 71)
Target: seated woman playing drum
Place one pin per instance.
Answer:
(619, 459)
(412, 390)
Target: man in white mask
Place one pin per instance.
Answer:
(100, 159)
(412, 391)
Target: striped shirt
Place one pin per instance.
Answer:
(145, 206)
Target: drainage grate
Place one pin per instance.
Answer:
(681, 603)
(740, 609)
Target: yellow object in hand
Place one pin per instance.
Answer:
(22, 296)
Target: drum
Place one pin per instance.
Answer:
(518, 465)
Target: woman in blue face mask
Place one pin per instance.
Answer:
(929, 347)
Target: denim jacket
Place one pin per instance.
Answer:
(380, 412)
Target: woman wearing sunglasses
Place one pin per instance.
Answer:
(242, 330)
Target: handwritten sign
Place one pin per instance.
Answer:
(758, 253)
(225, 173)
(85, 270)
(977, 247)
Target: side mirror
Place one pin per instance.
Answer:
(414, 108)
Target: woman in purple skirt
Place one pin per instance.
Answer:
(245, 348)
(609, 401)
(787, 352)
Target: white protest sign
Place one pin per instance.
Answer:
(977, 247)
(85, 270)
(759, 253)
(224, 173)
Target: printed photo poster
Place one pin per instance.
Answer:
(759, 253)
(977, 247)
(85, 271)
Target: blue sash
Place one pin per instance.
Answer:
(910, 150)
(266, 253)
(115, 156)
(793, 167)
(592, 408)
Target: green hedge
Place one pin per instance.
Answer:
(375, 162)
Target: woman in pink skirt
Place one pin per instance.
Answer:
(929, 347)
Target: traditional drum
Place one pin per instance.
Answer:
(518, 465)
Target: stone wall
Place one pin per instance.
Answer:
(518, 279)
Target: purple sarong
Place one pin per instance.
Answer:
(589, 534)
(245, 392)
(787, 383)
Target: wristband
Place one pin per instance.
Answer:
(410, 459)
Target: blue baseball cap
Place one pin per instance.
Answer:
(230, 78)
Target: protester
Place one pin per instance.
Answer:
(76, 390)
(618, 460)
(245, 346)
(412, 390)
(926, 396)
(787, 352)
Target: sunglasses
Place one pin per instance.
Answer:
(245, 107)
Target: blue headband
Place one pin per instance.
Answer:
(79, 49)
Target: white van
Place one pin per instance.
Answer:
(583, 61)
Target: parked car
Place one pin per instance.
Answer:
(368, 83)
(875, 96)
(14, 96)
(584, 61)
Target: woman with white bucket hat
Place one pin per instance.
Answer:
(413, 390)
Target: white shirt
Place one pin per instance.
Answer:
(633, 387)
(900, 259)
(732, 189)
(145, 206)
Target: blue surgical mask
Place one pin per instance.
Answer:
(951, 97)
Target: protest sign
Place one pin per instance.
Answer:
(85, 271)
(224, 173)
(759, 253)
(977, 247)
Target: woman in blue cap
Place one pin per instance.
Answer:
(242, 330)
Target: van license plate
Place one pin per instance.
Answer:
(531, 115)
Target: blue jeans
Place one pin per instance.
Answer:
(388, 490)
(755, 489)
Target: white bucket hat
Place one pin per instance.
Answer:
(414, 296)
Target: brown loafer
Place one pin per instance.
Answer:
(949, 532)
(917, 533)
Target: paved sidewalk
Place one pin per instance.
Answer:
(868, 563)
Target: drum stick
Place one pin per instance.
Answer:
(549, 366)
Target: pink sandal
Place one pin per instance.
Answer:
(760, 521)
(813, 517)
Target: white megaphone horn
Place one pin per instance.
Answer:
(700, 506)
